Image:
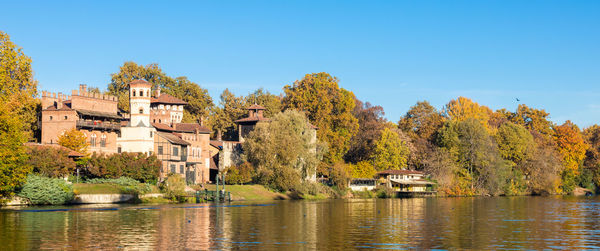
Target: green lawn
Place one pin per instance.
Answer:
(250, 192)
(107, 188)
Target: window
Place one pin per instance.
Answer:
(150, 134)
(133, 92)
(141, 93)
(181, 169)
(50, 117)
(159, 121)
(119, 149)
(160, 150)
(147, 93)
(141, 110)
(175, 151)
(66, 117)
(103, 140)
(93, 140)
(173, 168)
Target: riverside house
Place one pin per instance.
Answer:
(404, 180)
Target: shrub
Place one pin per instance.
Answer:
(240, 174)
(340, 175)
(137, 166)
(128, 185)
(314, 188)
(46, 191)
(174, 187)
(50, 162)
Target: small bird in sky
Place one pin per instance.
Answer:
(517, 99)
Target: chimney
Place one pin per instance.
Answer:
(83, 88)
(59, 102)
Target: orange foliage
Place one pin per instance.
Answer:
(570, 145)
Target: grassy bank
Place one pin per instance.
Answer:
(251, 192)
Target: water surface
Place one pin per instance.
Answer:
(442, 223)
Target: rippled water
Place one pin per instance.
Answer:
(443, 223)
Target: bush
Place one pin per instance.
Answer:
(340, 175)
(313, 188)
(241, 174)
(174, 187)
(137, 166)
(46, 191)
(50, 162)
(128, 185)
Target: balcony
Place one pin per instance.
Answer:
(98, 125)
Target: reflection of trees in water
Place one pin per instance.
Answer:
(422, 223)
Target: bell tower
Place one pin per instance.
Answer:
(139, 103)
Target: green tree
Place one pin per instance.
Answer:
(240, 174)
(50, 161)
(17, 114)
(271, 102)
(75, 140)
(390, 151)
(198, 99)
(223, 117)
(138, 166)
(284, 150)
(515, 143)
(47, 191)
(328, 107)
(476, 154)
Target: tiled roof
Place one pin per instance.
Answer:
(139, 81)
(216, 143)
(173, 138)
(191, 127)
(162, 127)
(256, 107)
(167, 99)
(399, 172)
(98, 114)
(252, 119)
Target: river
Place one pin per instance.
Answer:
(422, 223)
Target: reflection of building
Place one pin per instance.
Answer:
(405, 180)
(153, 127)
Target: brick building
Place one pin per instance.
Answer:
(153, 126)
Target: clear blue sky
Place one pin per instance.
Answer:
(390, 53)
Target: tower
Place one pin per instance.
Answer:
(139, 103)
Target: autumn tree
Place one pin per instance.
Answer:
(592, 156)
(284, 150)
(421, 123)
(439, 163)
(371, 122)
(75, 140)
(391, 152)
(476, 154)
(363, 169)
(543, 171)
(223, 117)
(572, 149)
(462, 109)
(17, 114)
(198, 99)
(328, 107)
(50, 161)
(271, 102)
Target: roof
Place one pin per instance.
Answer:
(252, 119)
(162, 127)
(216, 143)
(173, 138)
(98, 114)
(413, 182)
(71, 153)
(191, 127)
(139, 81)
(399, 172)
(167, 99)
(256, 107)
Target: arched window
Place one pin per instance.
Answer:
(133, 92)
(103, 140)
(93, 140)
(141, 110)
(141, 93)
(147, 93)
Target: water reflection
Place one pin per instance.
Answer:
(445, 223)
